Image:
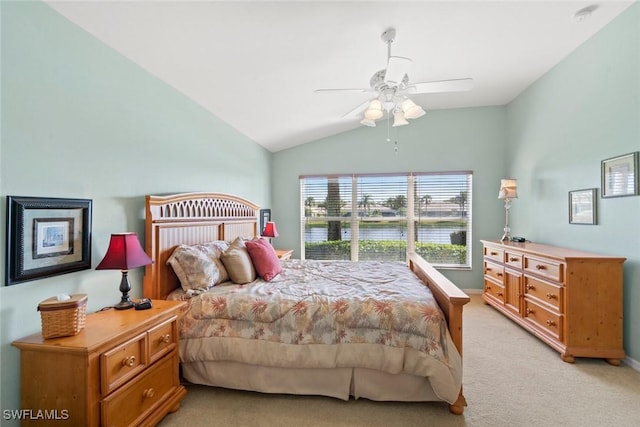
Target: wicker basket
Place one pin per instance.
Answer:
(63, 318)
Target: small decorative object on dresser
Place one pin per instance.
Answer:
(120, 370)
(570, 299)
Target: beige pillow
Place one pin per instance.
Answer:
(198, 267)
(238, 263)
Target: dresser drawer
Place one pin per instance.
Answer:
(494, 271)
(162, 339)
(513, 259)
(122, 362)
(494, 253)
(133, 402)
(548, 293)
(494, 289)
(545, 268)
(550, 321)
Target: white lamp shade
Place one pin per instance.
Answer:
(398, 119)
(508, 189)
(374, 112)
(411, 110)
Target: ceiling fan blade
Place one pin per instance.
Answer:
(456, 85)
(397, 68)
(360, 108)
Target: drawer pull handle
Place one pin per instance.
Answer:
(499, 294)
(550, 295)
(494, 253)
(487, 270)
(148, 393)
(487, 288)
(514, 259)
(129, 361)
(530, 287)
(551, 323)
(499, 274)
(529, 311)
(540, 267)
(165, 338)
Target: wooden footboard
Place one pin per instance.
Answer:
(451, 300)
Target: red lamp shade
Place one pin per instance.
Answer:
(124, 253)
(270, 230)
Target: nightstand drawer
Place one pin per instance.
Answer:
(162, 339)
(134, 400)
(122, 363)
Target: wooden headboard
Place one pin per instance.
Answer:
(190, 218)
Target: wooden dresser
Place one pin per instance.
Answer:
(120, 370)
(570, 299)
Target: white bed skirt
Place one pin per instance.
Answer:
(337, 382)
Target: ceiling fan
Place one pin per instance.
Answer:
(392, 87)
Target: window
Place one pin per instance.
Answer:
(386, 216)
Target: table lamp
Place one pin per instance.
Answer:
(508, 191)
(124, 253)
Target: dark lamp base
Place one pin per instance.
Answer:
(124, 305)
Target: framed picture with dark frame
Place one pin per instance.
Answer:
(265, 216)
(46, 237)
(620, 176)
(582, 206)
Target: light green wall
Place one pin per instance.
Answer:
(583, 111)
(81, 121)
(444, 140)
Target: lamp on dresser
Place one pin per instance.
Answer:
(508, 191)
(124, 253)
(270, 230)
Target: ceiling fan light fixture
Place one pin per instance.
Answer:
(411, 110)
(398, 119)
(367, 122)
(374, 111)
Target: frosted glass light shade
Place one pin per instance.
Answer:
(398, 119)
(374, 111)
(411, 110)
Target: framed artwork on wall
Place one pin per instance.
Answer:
(620, 176)
(265, 216)
(46, 237)
(582, 206)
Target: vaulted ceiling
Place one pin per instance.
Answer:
(257, 64)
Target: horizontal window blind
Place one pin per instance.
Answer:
(386, 216)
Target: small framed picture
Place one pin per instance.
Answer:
(582, 207)
(265, 217)
(620, 176)
(46, 237)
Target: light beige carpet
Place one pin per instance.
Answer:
(510, 379)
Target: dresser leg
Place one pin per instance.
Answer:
(614, 362)
(567, 358)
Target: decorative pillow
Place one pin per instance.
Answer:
(264, 258)
(198, 267)
(238, 263)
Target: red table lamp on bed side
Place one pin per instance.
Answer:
(124, 253)
(270, 230)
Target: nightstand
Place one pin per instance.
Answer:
(121, 369)
(284, 253)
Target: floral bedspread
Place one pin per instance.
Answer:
(325, 314)
(319, 302)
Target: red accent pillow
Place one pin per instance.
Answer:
(264, 258)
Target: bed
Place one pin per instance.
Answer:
(412, 353)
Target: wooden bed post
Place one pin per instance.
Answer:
(451, 299)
